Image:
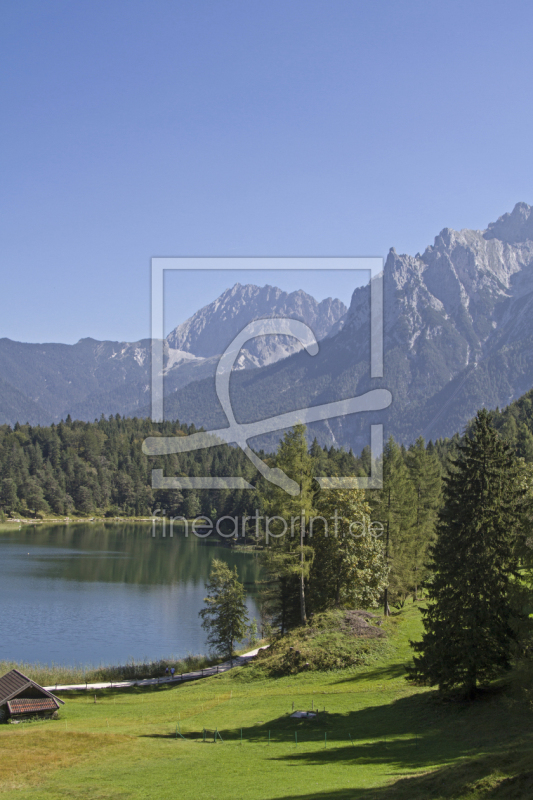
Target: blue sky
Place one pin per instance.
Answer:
(134, 129)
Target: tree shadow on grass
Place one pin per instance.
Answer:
(411, 732)
(381, 673)
(499, 776)
(448, 750)
(456, 750)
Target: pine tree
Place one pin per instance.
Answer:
(225, 616)
(393, 506)
(469, 622)
(425, 474)
(288, 559)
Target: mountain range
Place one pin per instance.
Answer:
(458, 336)
(43, 383)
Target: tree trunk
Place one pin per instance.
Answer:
(386, 608)
(302, 584)
(415, 599)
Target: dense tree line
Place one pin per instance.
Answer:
(99, 468)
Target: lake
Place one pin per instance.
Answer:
(100, 593)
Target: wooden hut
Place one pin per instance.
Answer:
(22, 698)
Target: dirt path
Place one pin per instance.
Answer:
(238, 661)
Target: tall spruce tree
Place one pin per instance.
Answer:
(469, 622)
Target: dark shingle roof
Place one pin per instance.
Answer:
(30, 706)
(12, 683)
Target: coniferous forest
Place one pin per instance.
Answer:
(99, 469)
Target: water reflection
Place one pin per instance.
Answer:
(104, 592)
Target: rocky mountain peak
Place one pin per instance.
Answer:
(514, 227)
(211, 329)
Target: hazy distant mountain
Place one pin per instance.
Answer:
(15, 405)
(458, 336)
(42, 383)
(208, 332)
(85, 379)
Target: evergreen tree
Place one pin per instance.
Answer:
(288, 559)
(33, 495)
(470, 620)
(225, 616)
(191, 504)
(393, 506)
(425, 474)
(8, 495)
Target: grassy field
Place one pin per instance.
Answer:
(404, 745)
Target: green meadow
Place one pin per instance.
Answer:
(376, 736)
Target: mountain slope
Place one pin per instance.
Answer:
(76, 379)
(458, 336)
(92, 378)
(16, 406)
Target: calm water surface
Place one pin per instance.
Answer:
(97, 593)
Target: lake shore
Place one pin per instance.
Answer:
(10, 525)
(17, 522)
(133, 670)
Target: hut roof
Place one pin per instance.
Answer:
(29, 706)
(14, 682)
